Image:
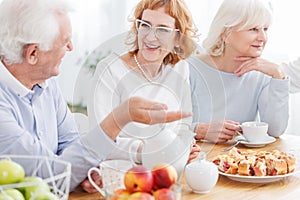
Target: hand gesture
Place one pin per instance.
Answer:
(137, 109)
(261, 65)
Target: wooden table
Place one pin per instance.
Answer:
(285, 189)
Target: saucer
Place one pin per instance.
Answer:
(267, 140)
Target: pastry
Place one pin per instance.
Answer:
(276, 166)
(244, 168)
(291, 162)
(253, 163)
(260, 168)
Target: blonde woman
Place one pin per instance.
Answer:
(232, 83)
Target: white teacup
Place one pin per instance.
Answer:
(255, 131)
(111, 171)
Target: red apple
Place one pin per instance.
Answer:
(120, 194)
(138, 179)
(164, 175)
(164, 194)
(141, 196)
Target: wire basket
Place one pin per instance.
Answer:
(56, 173)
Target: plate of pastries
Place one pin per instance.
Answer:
(256, 166)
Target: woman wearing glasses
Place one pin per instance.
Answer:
(160, 38)
(226, 88)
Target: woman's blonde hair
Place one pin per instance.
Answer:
(237, 14)
(183, 21)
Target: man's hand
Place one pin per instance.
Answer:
(88, 187)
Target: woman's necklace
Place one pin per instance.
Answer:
(143, 71)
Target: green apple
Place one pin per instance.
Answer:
(10, 172)
(39, 186)
(11, 194)
(42, 195)
(6, 197)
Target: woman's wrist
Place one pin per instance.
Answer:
(200, 131)
(280, 74)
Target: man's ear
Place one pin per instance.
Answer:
(31, 53)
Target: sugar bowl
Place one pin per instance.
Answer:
(201, 175)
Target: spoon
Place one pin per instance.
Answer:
(236, 143)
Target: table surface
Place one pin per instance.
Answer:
(287, 188)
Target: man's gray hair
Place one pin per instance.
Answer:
(26, 22)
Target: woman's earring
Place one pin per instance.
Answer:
(221, 46)
(177, 49)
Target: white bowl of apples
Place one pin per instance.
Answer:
(19, 181)
(142, 183)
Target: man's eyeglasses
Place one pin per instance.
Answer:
(160, 32)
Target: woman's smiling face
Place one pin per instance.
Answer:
(152, 47)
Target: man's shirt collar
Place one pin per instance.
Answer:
(7, 79)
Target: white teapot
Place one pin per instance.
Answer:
(201, 175)
(169, 146)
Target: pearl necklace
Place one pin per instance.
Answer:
(143, 71)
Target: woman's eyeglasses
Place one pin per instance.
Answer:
(160, 32)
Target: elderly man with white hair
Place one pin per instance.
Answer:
(35, 119)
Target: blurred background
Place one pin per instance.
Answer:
(96, 21)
